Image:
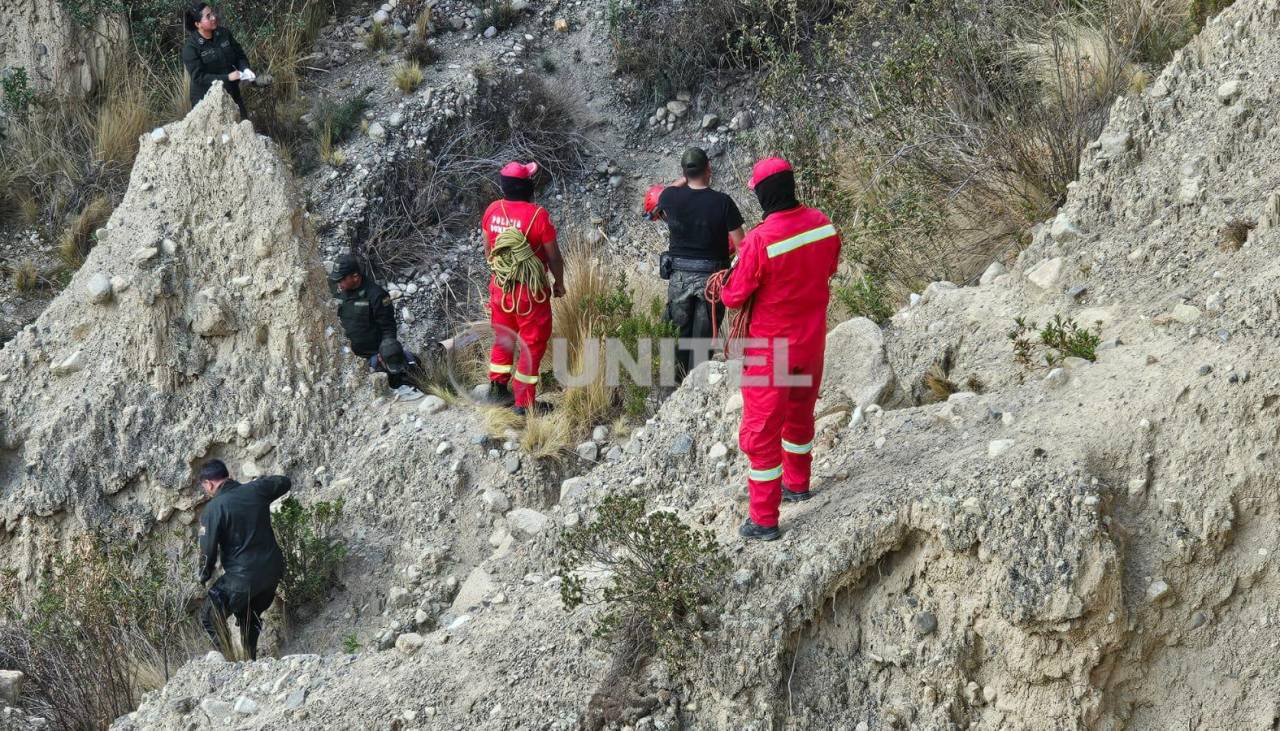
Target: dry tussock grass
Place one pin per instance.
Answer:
(77, 237)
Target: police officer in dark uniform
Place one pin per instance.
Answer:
(706, 228)
(400, 365)
(212, 54)
(368, 317)
(236, 526)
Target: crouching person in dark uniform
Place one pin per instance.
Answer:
(368, 317)
(400, 365)
(212, 54)
(236, 526)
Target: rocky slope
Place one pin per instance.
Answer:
(1089, 546)
(1083, 547)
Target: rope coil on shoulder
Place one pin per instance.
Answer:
(741, 320)
(515, 264)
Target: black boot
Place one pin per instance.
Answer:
(789, 496)
(499, 394)
(750, 530)
(539, 409)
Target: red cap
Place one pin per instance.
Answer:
(765, 168)
(651, 200)
(520, 170)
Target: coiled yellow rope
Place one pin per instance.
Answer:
(514, 263)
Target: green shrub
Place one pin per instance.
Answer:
(335, 121)
(102, 625)
(313, 553)
(18, 93)
(1202, 10)
(663, 575)
(865, 296)
(350, 644)
(500, 14)
(1057, 340)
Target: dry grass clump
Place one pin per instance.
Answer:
(122, 119)
(25, 276)
(407, 76)
(936, 380)
(424, 24)
(378, 38)
(499, 421)
(546, 436)
(1236, 233)
(78, 237)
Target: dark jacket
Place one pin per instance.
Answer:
(236, 524)
(368, 317)
(212, 60)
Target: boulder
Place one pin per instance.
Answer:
(864, 376)
(1046, 274)
(473, 591)
(526, 523)
(99, 289)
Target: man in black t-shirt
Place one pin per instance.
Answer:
(706, 228)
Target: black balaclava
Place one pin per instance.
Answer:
(777, 192)
(516, 189)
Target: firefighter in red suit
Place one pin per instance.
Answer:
(518, 315)
(782, 269)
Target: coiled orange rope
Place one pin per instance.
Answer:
(741, 319)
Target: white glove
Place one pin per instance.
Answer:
(248, 75)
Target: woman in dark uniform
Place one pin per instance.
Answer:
(212, 54)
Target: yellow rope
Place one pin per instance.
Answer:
(514, 263)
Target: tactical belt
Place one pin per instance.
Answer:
(698, 266)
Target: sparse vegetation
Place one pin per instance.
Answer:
(102, 625)
(18, 94)
(25, 276)
(351, 644)
(500, 14)
(865, 296)
(1057, 340)
(78, 237)
(663, 577)
(378, 38)
(424, 25)
(421, 52)
(939, 384)
(313, 551)
(444, 189)
(407, 76)
(1236, 233)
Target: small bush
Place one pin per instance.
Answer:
(546, 436)
(350, 644)
(1057, 340)
(313, 552)
(407, 76)
(865, 296)
(102, 625)
(1236, 233)
(661, 572)
(421, 52)
(78, 237)
(500, 14)
(25, 276)
(18, 93)
(336, 121)
(378, 38)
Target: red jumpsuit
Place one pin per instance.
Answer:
(784, 264)
(517, 316)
